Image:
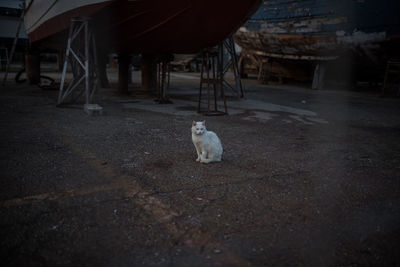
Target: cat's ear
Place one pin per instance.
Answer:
(204, 123)
(194, 123)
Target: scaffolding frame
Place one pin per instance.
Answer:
(228, 45)
(215, 63)
(83, 63)
(212, 75)
(163, 77)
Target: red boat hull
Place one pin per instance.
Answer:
(179, 26)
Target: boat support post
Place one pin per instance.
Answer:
(163, 77)
(319, 76)
(212, 76)
(81, 55)
(229, 46)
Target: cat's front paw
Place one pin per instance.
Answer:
(198, 159)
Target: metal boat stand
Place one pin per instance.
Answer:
(211, 61)
(81, 54)
(319, 76)
(163, 63)
(227, 52)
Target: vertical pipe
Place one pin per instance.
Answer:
(220, 64)
(159, 79)
(60, 94)
(201, 81)
(163, 81)
(95, 72)
(238, 81)
(215, 79)
(169, 74)
(208, 79)
(87, 89)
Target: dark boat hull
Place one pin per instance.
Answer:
(179, 26)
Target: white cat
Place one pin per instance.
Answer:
(208, 146)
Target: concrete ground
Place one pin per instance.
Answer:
(308, 178)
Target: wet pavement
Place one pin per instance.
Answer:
(308, 178)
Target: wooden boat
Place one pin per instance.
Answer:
(140, 26)
(312, 31)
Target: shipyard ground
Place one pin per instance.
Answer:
(308, 178)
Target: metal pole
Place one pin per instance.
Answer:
(14, 44)
(208, 79)
(215, 78)
(238, 81)
(220, 64)
(60, 94)
(201, 82)
(95, 69)
(87, 61)
(163, 82)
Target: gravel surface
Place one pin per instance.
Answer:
(308, 178)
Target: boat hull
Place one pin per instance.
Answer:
(352, 40)
(320, 30)
(179, 26)
(44, 18)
